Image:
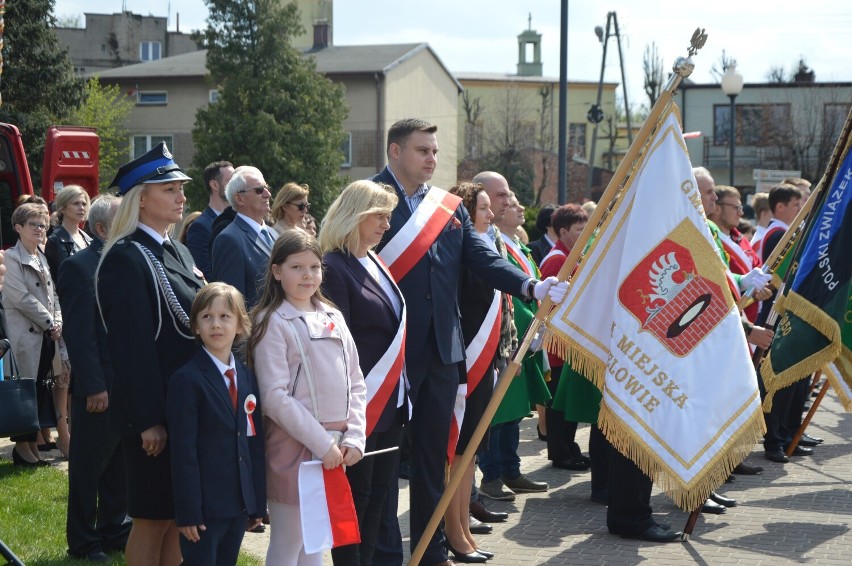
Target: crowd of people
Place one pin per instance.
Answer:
(210, 355)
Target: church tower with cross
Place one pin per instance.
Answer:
(529, 41)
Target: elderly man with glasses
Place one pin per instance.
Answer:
(242, 250)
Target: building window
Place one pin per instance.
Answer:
(149, 50)
(213, 96)
(152, 98)
(757, 125)
(346, 148)
(143, 143)
(577, 139)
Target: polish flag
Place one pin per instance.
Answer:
(327, 508)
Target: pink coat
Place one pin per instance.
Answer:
(293, 434)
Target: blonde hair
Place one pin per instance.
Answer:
(272, 293)
(287, 194)
(66, 195)
(126, 218)
(233, 300)
(357, 201)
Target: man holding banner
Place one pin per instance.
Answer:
(430, 238)
(650, 320)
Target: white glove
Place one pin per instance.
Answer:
(755, 278)
(553, 288)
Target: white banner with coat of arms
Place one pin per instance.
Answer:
(649, 319)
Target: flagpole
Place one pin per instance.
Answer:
(807, 420)
(682, 68)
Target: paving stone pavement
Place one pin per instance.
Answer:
(798, 513)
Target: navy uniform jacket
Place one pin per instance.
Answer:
(431, 286)
(198, 240)
(128, 300)
(91, 368)
(218, 472)
(240, 257)
(368, 313)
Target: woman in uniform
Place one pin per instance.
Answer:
(145, 287)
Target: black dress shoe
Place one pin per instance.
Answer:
(469, 558)
(809, 442)
(746, 470)
(776, 455)
(578, 463)
(482, 513)
(18, 460)
(261, 528)
(478, 527)
(485, 553)
(654, 534)
(722, 500)
(813, 438)
(542, 437)
(802, 451)
(711, 506)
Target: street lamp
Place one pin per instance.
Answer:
(732, 85)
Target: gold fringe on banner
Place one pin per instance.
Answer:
(693, 495)
(844, 393)
(822, 323)
(580, 359)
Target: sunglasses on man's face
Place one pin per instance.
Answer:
(257, 190)
(302, 206)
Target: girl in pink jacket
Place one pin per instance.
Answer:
(312, 390)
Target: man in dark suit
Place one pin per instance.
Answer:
(434, 343)
(97, 508)
(198, 237)
(241, 251)
(545, 243)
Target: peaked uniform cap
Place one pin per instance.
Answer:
(155, 166)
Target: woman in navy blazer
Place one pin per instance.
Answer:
(373, 307)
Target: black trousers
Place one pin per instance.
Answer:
(97, 505)
(560, 433)
(629, 510)
(434, 385)
(371, 480)
(219, 544)
(785, 418)
(599, 449)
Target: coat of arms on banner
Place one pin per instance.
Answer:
(674, 293)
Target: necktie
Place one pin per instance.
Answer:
(267, 236)
(169, 248)
(232, 386)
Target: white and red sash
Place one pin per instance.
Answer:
(480, 351)
(415, 237)
(456, 421)
(520, 258)
(383, 379)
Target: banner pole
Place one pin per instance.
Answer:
(811, 412)
(682, 68)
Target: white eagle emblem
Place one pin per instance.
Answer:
(663, 284)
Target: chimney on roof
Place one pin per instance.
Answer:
(322, 34)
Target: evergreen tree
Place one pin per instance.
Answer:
(39, 84)
(274, 111)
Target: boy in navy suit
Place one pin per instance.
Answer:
(216, 435)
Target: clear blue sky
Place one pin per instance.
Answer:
(481, 35)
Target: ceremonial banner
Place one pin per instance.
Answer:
(815, 327)
(650, 320)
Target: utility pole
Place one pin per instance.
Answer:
(596, 114)
(561, 189)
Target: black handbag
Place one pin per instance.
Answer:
(18, 404)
